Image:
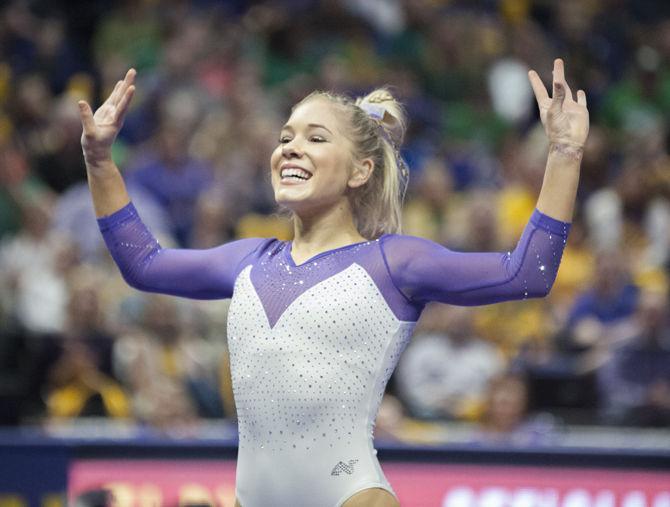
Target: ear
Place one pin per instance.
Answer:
(361, 173)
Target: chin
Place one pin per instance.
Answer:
(286, 200)
(299, 205)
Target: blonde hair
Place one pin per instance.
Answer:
(376, 129)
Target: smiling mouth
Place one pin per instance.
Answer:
(294, 174)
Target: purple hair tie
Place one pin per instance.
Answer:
(377, 112)
(374, 110)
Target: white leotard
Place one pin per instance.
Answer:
(307, 389)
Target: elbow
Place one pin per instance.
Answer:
(539, 289)
(133, 279)
(538, 293)
(136, 271)
(136, 275)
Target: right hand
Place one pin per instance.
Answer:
(565, 120)
(101, 128)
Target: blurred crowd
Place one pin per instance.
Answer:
(216, 79)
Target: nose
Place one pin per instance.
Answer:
(291, 150)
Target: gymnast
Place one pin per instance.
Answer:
(316, 325)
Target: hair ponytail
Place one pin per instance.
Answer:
(378, 204)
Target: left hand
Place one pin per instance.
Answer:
(100, 129)
(565, 120)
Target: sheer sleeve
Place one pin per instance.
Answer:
(426, 271)
(145, 265)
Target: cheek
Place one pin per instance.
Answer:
(275, 157)
(345, 173)
(336, 168)
(275, 160)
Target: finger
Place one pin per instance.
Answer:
(559, 70)
(581, 98)
(86, 116)
(558, 98)
(539, 89)
(128, 80)
(114, 96)
(130, 76)
(122, 106)
(559, 76)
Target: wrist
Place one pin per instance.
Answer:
(98, 164)
(567, 150)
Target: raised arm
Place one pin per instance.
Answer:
(144, 264)
(425, 271)
(566, 123)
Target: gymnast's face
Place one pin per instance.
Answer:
(313, 165)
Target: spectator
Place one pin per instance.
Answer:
(17, 186)
(173, 178)
(170, 375)
(445, 370)
(80, 381)
(606, 307)
(32, 270)
(635, 380)
(506, 419)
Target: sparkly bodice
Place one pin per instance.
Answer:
(312, 346)
(317, 376)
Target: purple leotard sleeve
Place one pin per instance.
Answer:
(426, 271)
(145, 265)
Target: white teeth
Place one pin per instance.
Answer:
(294, 172)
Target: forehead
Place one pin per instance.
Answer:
(317, 110)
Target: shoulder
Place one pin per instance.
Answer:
(236, 255)
(253, 245)
(401, 248)
(405, 241)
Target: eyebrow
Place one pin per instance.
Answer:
(317, 125)
(310, 125)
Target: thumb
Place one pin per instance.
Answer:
(86, 116)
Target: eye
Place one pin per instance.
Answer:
(317, 139)
(284, 139)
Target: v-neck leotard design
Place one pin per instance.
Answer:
(312, 346)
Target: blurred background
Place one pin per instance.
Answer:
(80, 351)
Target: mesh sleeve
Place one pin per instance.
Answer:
(145, 265)
(426, 271)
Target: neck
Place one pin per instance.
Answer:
(325, 229)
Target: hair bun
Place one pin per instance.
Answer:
(393, 119)
(379, 95)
